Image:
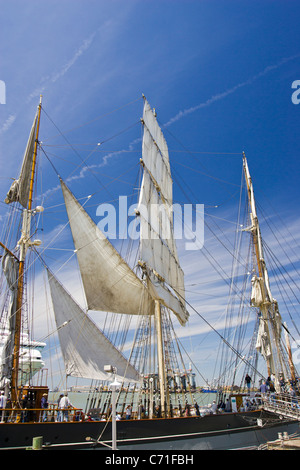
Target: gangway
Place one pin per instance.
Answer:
(282, 405)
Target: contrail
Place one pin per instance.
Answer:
(64, 69)
(228, 92)
(51, 79)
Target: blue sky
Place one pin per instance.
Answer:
(219, 74)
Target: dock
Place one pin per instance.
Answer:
(284, 442)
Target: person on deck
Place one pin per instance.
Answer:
(282, 384)
(214, 408)
(3, 401)
(24, 414)
(59, 413)
(248, 381)
(128, 412)
(263, 388)
(44, 405)
(64, 405)
(227, 406)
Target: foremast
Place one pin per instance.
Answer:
(270, 326)
(24, 243)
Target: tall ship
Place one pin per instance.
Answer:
(144, 393)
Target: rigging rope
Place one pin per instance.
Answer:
(237, 353)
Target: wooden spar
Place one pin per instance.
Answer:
(34, 156)
(23, 247)
(8, 251)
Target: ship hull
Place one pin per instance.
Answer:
(215, 432)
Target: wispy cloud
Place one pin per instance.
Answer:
(229, 91)
(46, 81)
(64, 69)
(181, 114)
(84, 46)
(9, 121)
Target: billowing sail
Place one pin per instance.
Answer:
(86, 350)
(19, 190)
(109, 283)
(157, 245)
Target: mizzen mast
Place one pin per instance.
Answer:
(270, 326)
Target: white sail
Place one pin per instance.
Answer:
(256, 292)
(10, 268)
(19, 190)
(86, 350)
(157, 245)
(262, 342)
(109, 283)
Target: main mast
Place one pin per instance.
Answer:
(23, 243)
(114, 286)
(158, 308)
(158, 253)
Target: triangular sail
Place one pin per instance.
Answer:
(109, 283)
(19, 190)
(157, 245)
(10, 268)
(86, 350)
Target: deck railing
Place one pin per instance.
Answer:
(283, 405)
(35, 415)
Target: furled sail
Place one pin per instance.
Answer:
(85, 348)
(19, 190)
(256, 293)
(109, 283)
(263, 342)
(157, 245)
